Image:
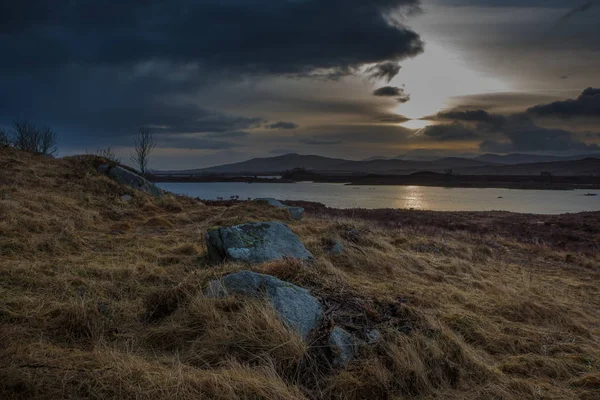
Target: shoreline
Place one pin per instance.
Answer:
(522, 182)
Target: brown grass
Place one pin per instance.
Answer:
(101, 298)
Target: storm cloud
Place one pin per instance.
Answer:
(586, 105)
(386, 70)
(450, 132)
(251, 36)
(392, 91)
(517, 132)
(282, 125)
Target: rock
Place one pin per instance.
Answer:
(126, 197)
(374, 336)
(130, 178)
(295, 212)
(343, 345)
(335, 248)
(296, 307)
(255, 243)
(353, 235)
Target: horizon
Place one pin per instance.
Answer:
(401, 157)
(435, 78)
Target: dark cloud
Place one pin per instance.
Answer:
(359, 136)
(192, 142)
(391, 118)
(481, 116)
(386, 70)
(282, 125)
(227, 134)
(507, 133)
(449, 132)
(97, 70)
(586, 105)
(252, 36)
(522, 134)
(580, 9)
(320, 141)
(392, 91)
(538, 139)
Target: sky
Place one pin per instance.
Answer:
(221, 81)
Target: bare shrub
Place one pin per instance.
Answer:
(108, 154)
(28, 137)
(4, 138)
(144, 145)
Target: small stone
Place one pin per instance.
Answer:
(353, 235)
(374, 336)
(295, 212)
(335, 248)
(343, 345)
(126, 197)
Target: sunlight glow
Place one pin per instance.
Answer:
(416, 124)
(436, 76)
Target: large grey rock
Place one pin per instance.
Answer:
(130, 178)
(296, 307)
(343, 345)
(255, 243)
(295, 212)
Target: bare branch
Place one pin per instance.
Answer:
(4, 138)
(108, 154)
(28, 137)
(144, 145)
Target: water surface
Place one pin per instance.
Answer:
(418, 197)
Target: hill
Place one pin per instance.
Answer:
(269, 165)
(517, 158)
(489, 164)
(585, 167)
(104, 297)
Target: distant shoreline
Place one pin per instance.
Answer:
(531, 182)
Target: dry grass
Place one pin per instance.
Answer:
(101, 298)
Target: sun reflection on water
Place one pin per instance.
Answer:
(412, 197)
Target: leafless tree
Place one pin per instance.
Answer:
(108, 154)
(144, 144)
(28, 137)
(4, 138)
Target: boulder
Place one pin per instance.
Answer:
(294, 305)
(255, 243)
(343, 345)
(295, 212)
(130, 178)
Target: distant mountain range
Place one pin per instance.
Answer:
(487, 164)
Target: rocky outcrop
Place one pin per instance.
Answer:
(255, 243)
(295, 212)
(130, 178)
(296, 307)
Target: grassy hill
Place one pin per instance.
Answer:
(102, 298)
